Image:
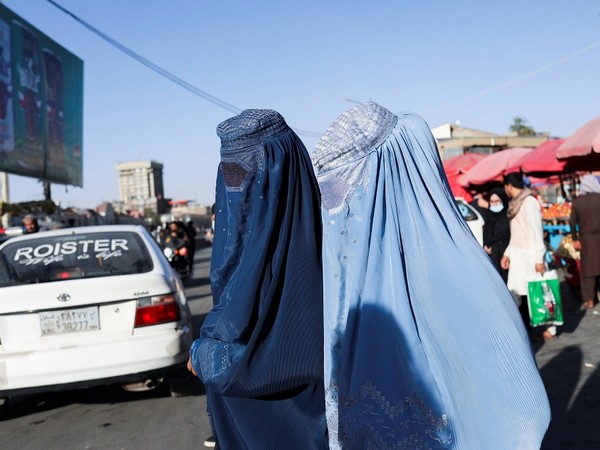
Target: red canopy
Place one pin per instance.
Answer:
(581, 150)
(541, 160)
(492, 167)
(455, 167)
(584, 141)
(461, 163)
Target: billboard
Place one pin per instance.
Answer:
(41, 104)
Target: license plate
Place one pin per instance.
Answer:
(69, 320)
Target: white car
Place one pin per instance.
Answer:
(472, 217)
(88, 306)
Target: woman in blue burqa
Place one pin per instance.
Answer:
(424, 346)
(260, 351)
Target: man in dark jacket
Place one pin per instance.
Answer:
(585, 228)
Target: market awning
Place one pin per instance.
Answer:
(492, 167)
(461, 163)
(541, 161)
(455, 167)
(581, 150)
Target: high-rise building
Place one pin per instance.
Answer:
(141, 185)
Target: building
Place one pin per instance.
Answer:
(141, 186)
(454, 140)
(186, 210)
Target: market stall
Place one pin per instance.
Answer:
(555, 219)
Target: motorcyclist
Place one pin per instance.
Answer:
(175, 241)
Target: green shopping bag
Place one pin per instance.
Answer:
(544, 300)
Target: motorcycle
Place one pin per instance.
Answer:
(178, 256)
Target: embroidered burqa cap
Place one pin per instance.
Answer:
(424, 346)
(260, 351)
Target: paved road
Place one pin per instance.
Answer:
(570, 368)
(109, 418)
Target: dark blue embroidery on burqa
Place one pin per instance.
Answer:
(260, 352)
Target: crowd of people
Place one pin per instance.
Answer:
(339, 318)
(338, 321)
(513, 238)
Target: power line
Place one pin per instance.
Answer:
(184, 84)
(517, 79)
(163, 72)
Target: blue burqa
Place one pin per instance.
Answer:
(260, 351)
(424, 346)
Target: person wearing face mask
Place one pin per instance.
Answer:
(496, 230)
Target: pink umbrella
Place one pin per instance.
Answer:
(582, 149)
(455, 167)
(492, 167)
(540, 161)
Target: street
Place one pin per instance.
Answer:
(111, 418)
(570, 368)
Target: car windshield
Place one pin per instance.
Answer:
(55, 258)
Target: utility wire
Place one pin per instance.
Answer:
(184, 84)
(506, 83)
(234, 109)
(165, 73)
(517, 79)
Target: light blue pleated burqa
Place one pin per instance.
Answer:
(424, 346)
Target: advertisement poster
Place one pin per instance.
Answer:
(41, 104)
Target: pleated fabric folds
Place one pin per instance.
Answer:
(260, 351)
(424, 346)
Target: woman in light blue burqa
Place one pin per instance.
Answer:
(424, 346)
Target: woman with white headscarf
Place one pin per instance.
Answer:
(585, 228)
(424, 346)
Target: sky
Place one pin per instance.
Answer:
(479, 64)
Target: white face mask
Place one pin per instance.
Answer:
(496, 208)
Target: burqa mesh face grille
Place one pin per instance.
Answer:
(233, 174)
(242, 144)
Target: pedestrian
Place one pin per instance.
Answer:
(496, 229)
(260, 351)
(524, 256)
(190, 228)
(424, 346)
(481, 204)
(30, 224)
(585, 229)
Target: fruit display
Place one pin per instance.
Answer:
(556, 211)
(566, 249)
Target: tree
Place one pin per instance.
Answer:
(520, 127)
